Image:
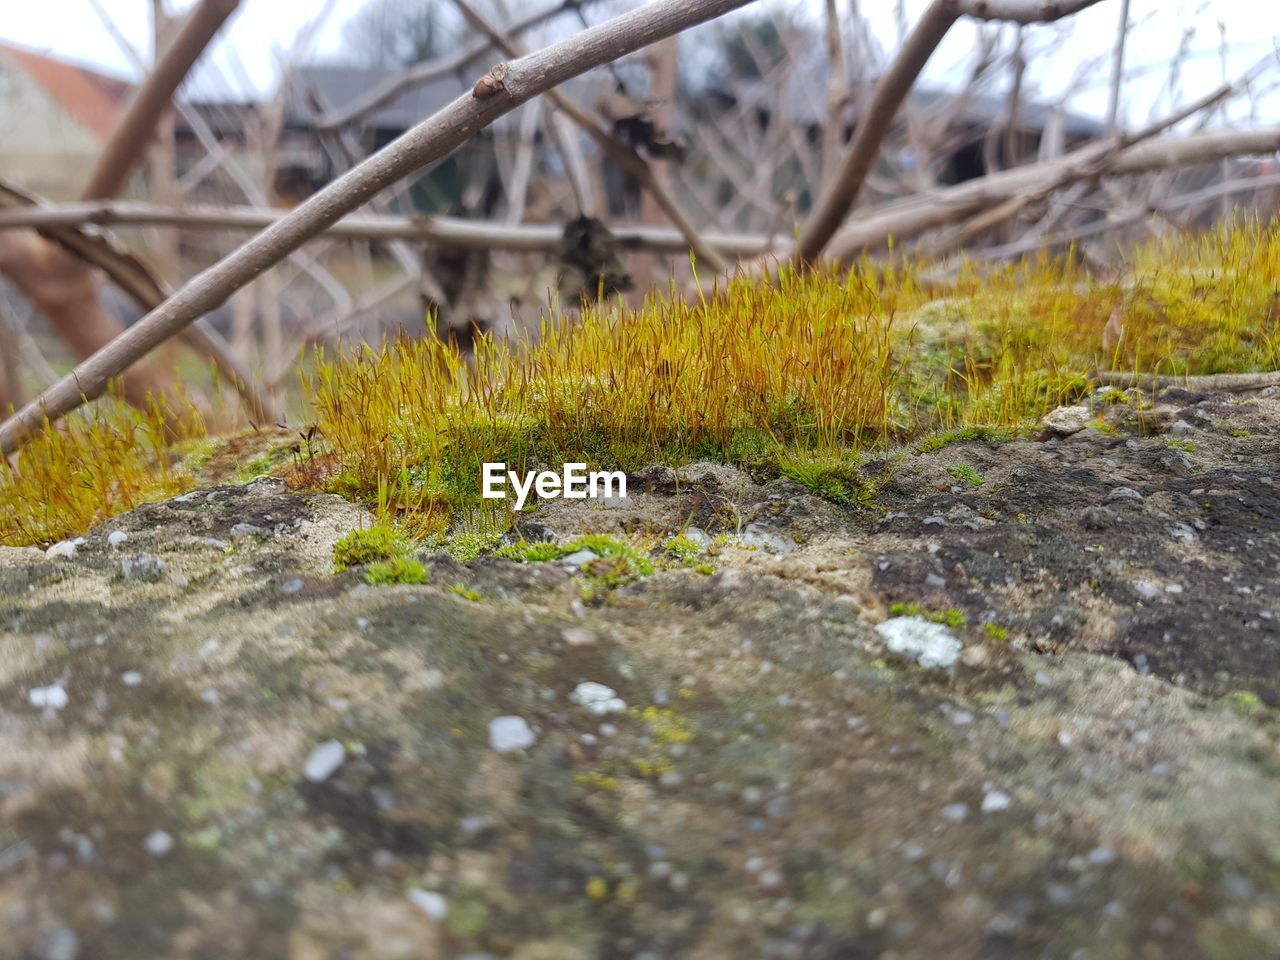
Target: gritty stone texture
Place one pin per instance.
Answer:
(1096, 775)
(1065, 421)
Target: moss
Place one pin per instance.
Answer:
(681, 549)
(525, 552)
(666, 726)
(650, 768)
(396, 570)
(797, 375)
(833, 478)
(90, 468)
(466, 593)
(966, 474)
(950, 617)
(596, 781)
(361, 547)
(945, 438)
(995, 632)
(1244, 701)
(1113, 396)
(262, 464)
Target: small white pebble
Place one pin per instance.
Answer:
(510, 733)
(770, 879)
(432, 904)
(596, 698)
(955, 812)
(324, 760)
(131, 678)
(158, 843)
(577, 636)
(52, 697)
(64, 549)
(996, 801)
(116, 537)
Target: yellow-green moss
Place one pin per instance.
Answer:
(802, 375)
(396, 570)
(360, 547)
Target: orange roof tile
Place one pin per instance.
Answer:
(93, 98)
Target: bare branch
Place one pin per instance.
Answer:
(442, 231)
(135, 128)
(422, 73)
(140, 284)
(939, 207)
(892, 89)
(426, 143)
(1100, 161)
(873, 125)
(837, 93)
(1117, 68)
(1226, 382)
(619, 152)
(1021, 11)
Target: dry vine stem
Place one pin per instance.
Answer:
(620, 153)
(421, 73)
(892, 89)
(70, 302)
(426, 143)
(901, 219)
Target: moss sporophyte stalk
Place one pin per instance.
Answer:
(814, 376)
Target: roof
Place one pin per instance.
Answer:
(338, 86)
(806, 91)
(94, 99)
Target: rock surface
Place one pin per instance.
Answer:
(1095, 776)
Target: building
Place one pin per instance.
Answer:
(55, 117)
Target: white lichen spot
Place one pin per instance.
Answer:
(597, 698)
(510, 733)
(996, 801)
(928, 644)
(324, 760)
(52, 698)
(64, 549)
(158, 843)
(432, 904)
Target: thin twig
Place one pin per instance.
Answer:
(619, 152)
(426, 143)
(892, 89)
(125, 147)
(443, 231)
(421, 73)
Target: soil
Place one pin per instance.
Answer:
(1095, 776)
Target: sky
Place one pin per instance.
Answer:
(247, 54)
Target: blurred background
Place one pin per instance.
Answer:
(740, 123)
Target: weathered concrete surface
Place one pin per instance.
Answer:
(1101, 783)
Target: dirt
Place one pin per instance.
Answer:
(1096, 775)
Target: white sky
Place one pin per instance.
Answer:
(246, 54)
